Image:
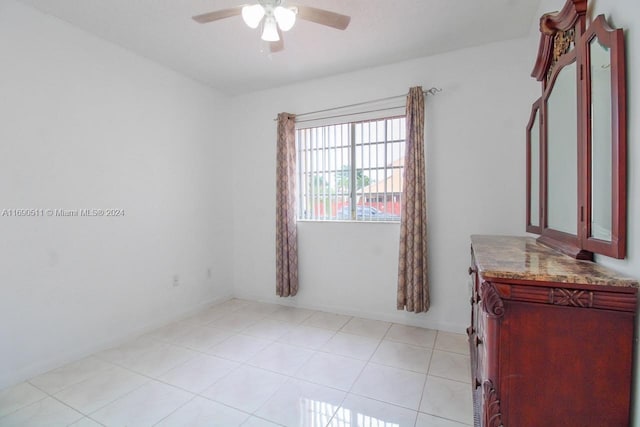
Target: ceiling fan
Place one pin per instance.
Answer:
(276, 17)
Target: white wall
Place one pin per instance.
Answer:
(86, 124)
(475, 146)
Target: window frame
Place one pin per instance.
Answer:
(314, 187)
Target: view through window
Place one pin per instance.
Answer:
(351, 171)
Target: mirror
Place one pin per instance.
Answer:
(582, 117)
(533, 170)
(604, 231)
(601, 173)
(562, 154)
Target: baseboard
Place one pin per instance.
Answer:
(402, 317)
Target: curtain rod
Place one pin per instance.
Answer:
(431, 91)
(349, 114)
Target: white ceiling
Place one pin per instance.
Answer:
(229, 56)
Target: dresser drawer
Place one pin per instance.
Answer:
(551, 338)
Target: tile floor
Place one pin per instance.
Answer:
(252, 364)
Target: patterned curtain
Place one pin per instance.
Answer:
(286, 232)
(413, 285)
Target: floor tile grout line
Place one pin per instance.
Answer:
(173, 343)
(425, 385)
(346, 394)
(450, 379)
(251, 414)
(442, 418)
(289, 377)
(149, 379)
(369, 359)
(177, 409)
(119, 397)
(383, 401)
(84, 414)
(28, 404)
(427, 350)
(94, 420)
(29, 380)
(338, 407)
(292, 376)
(149, 376)
(452, 352)
(200, 352)
(278, 340)
(271, 395)
(114, 364)
(415, 420)
(52, 396)
(426, 377)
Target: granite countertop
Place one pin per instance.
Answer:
(523, 258)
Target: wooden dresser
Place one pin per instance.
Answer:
(551, 337)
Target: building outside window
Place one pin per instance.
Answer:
(351, 171)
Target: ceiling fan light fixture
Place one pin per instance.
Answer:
(273, 18)
(252, 15)
(286, 17)
(270, 30)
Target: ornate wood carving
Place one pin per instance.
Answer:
(572, 297)
(491, 411)
(618, 301)
(557, 35)
(491, 302)
(562, 43)
(568, 17)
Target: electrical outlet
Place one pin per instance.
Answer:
(176, 280)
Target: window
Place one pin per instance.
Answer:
(351, 171)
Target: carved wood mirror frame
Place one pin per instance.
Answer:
(565, 41)
(612, 39)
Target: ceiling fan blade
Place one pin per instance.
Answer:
(218, 14)
(324, 17)
(279, 45)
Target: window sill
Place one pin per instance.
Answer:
(337, 221)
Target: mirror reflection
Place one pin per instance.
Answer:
(601, 163)
(562, 156)
(534, 167)
(580, 189)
